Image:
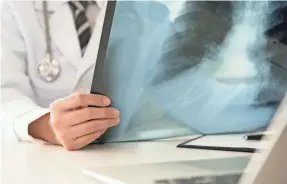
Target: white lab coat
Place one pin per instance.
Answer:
(25, 96)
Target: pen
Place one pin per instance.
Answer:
(253, 137)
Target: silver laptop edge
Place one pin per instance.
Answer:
(269, 166)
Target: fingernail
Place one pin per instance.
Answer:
(106, 101)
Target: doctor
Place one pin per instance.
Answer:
(49, 51)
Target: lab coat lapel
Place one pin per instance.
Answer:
(64, 35)
(34, 32)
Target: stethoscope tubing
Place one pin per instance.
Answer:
(47, 29)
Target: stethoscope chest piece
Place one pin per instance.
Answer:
(49, 69)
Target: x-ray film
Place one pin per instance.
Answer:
(177, 68)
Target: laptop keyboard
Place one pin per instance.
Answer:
(217, 179)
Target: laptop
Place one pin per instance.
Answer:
(264, 167)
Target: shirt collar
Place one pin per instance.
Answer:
(54, 4)
(101, 3)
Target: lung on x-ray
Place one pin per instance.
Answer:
(182, 67)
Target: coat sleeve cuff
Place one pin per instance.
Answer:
(21, 125)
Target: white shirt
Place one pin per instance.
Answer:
(92, 12)
(22, 98)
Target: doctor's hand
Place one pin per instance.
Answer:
(72, 123)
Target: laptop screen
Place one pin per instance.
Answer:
(177, 68)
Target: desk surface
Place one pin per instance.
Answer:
(26, 163)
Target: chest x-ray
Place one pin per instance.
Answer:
(182, 67)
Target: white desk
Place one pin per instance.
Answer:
(25, 163)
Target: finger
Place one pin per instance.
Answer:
(93, 126)
(79, 100)
(85, 140)
(91, 113)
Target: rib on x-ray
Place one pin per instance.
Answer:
(182, 67)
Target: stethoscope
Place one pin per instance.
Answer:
(49, 69)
